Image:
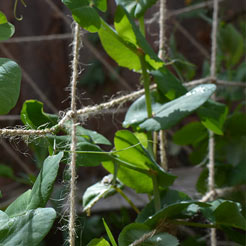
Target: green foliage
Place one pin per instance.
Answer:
(6, 29)
(10, 77)
(131, 161)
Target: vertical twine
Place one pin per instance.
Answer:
(72, 167)
(211, 164)
(162, 54)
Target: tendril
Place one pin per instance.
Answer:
(15, 9)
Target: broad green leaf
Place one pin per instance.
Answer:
(150, 56)
(168, 83)
(235, 235)
(40, 193)
(213, 115)
(92, 136)
(136, 8)
(172, 112)
(135, 165)
(137, 112)
(225, 213)
(10, 78)
(43, 185)
(109, 233)
(135, 231)
(123, 52)
(27, 229)
(87, 154)
(101, 189)
(19, 206)
(6, 29)
(168, 197)
(191, 133)
(123, 26)
(32, 115)
(98, 242)
(6, 171)
(84, 13)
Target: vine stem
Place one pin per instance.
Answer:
(72, 167)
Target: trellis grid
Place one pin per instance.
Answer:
(74, 113)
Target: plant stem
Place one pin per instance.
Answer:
(141, 25)
(157, 200)
(127, 199)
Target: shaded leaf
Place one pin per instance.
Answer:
(213, 116)
(136, 231)
(7, 30)
(10, 78)
(109, 233)
(136, 8)
(33, 115)
(27, 229)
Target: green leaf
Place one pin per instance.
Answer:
(213, 116)
(10, 78)
(132, 158)
(109, 233)
(101, 189)
(6, 171)
(231, 44)
(123, 52)
(32, 115)
(135, 231)
(19, 206)
(168, 197)
(172, 112)
(7, 30)
(238, 174)
(191, 133)
(123, 26)
(92, 136)
(168, 84)
(27, 229)
(84, 13)
(136, 8)
(137, 112)
(98, 242)
(225, 213)
(1, 194)
(150, 56)
(40, 193)
(43, 185)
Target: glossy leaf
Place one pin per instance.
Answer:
(213, 116)
(225, 213)
(10, 78)
(6, 29)
(136, 8)
(168, 83)
(171, 113)
(101, 189)
(135, 231)
(137, 112)
(33, 115)
(123, 52)
(84, 13)
(27, 229)
(191, 133)
(98, 242)
(168, 197)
